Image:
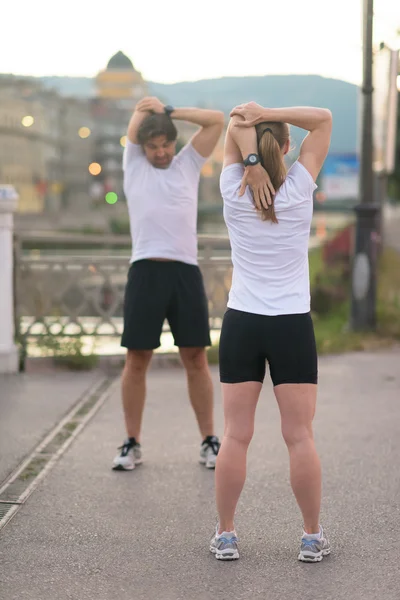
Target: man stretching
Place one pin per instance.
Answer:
(164, 280)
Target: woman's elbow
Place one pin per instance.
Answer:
(327, 115)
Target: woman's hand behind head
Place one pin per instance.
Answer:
(257, 178)
(251, 113)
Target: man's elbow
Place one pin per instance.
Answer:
(220, 118)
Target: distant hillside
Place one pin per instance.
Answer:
(274, 90)
(79, 87)
(271, 90)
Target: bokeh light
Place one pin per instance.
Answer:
(84, 132)
(111, 197)
(122, 141)
(94, 168)
(27, 121)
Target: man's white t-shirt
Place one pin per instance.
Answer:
(270, 261)
(162, 204)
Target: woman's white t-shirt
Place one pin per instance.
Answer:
(270, 260)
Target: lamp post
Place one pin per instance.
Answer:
(363, 297)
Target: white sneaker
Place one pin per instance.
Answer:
(209, 451)
(225, 545)
(314, 548)
(130, 456)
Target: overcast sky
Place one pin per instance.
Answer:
(167, 44)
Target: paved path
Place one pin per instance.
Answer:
(88, 533)
(30, 405)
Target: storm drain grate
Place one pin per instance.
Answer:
(17, 487)
(14, 491)
(5, 508)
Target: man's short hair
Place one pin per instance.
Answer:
(155, 125)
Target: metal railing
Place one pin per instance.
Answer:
(73, 285)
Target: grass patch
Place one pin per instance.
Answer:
(315, 264)
(77, 362)
(67, 352)
(71, 426)
(332, 330)
(333, 335)
(87, 406)
(33, 468)
(61, 437)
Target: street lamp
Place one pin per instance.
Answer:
(363, 297)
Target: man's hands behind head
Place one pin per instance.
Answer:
(150, 104)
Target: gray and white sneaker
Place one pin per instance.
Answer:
(313, 549)
(129, 457)
(225, 545)
(209, 451)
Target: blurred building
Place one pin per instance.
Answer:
(77, 148)
(30, 142)
(64, 155)
(45, 146)
(118, 88)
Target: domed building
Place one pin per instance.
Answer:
(120, 79)
(120, 62)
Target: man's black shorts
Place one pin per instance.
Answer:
(287, 342)
(159, 290)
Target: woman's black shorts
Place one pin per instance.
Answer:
(287, 342)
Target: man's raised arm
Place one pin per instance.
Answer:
(143, 109)
(211, 123)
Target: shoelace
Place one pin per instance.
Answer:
(212, 443)
(125, 448)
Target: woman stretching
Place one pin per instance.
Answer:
(268, 316)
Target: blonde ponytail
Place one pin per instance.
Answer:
(272, 138)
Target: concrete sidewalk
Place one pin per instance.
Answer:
(91, 533)
(30, 405)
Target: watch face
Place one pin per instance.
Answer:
(253, 159)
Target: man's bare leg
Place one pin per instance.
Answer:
(200, 386)
(134, 390)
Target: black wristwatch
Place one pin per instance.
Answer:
(251, 160)
(168, 110)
